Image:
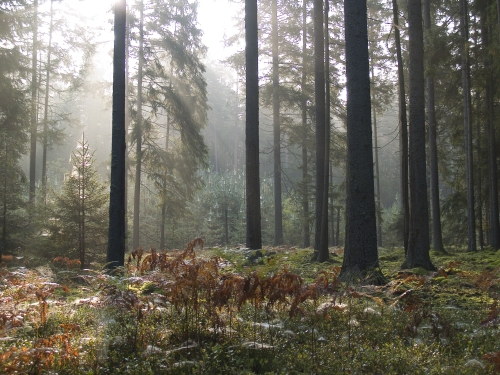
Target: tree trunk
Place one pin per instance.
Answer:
(253, 230)
(437, 238)
(331, 210)
(127, 122)
(360, 253)
(418, 242)
(319, 96)
(403, 132)
(116, 241)
(494, 236)
(138, 146)
(469, 168)
(323, 253)
(46, 109)
(3, 245)
(377, 173)
(305, 176)
(162, 225)
(278, 212)
(34, 106)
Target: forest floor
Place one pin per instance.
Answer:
(232, 311)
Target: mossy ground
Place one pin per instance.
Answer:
(281, 314)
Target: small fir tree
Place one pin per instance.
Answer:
(81, 208)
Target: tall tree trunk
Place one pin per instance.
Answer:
(377, 173)
(494, 235)
(331, 209)
(46, 109)
(236, 120)
(254, 233)
(138, 146)
(305, 176)
(418, 241)
(34, 106)
(323, 253)
(469, 168)
(319, 96)
(278, 212)
(3, 245)
(403, 130)
(360, 254)
(437, 238)
(127, 122)
(164, 203)
(117, 208)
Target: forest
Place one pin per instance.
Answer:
(314, 190)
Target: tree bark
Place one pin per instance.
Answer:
(360, 254)
(116, 241)
(253, 215)
(138, 146)
(34, 106)
(403, 132)
(469, 168)
(418, 241)
(319, 96)
(437, 237)
(305, 176)
(278, 211)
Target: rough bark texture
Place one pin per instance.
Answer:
(469, 168)
(492, 160)
(138, 145)
(418, 242)
(437, 238)
(361, 236)
(254, 234)
(403, 131)
(278, 211)
(116, 241)
(305, 176)
(323, 254)
(319, 96)
(34, 87)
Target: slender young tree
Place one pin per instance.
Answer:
(361, 254)
(253, 227)
(403, 130)
(116, 240)
(304, 143)
(319, 96)
(437, 238)
(377, 169)
(418, 242)
(494, 235)
(138, 133)
(323, 253)
(469, 168)
(278, 210)
(34, 106)
(46, 107)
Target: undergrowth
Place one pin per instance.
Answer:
(212, 311)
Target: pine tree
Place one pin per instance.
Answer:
(361, 253)
(81, 208)
(117, 208)
(418, 242)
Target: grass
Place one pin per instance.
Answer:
(213, 311)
